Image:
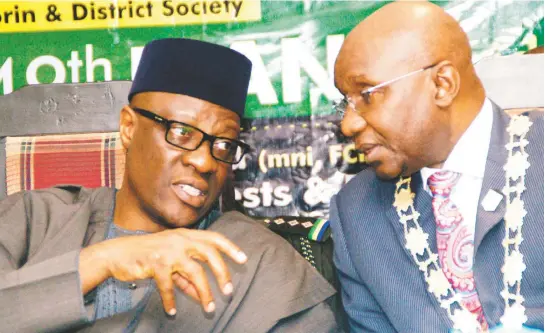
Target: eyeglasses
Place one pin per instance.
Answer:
(190, 138)
(340, 106)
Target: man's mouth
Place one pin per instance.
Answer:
(190, 195)
(191, 190)
(366, 148)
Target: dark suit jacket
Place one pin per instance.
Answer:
(42, 232)
(382, 288)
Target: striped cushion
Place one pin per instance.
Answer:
(91, 160)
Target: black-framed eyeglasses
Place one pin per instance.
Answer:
(365, 95)
(190, 138)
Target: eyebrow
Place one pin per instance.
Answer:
(364, 80)
(361, 80)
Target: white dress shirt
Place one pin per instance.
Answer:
(469, 159)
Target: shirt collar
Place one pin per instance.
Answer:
(468, 157)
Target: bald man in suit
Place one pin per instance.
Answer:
(420, 234)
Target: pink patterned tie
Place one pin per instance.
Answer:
(454, 242)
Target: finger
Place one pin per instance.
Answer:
(223, 244)
(163, 278)
(213, 258)
(194, 273)
(185, 286)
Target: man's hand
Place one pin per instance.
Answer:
(168, 257)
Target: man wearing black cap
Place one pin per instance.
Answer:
(110, 261)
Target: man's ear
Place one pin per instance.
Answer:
(447, 83)
(127, 126)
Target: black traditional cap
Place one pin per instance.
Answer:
(195, 68)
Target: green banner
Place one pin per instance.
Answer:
(299, 159)
(292, 44)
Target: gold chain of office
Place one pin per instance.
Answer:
(417, 240)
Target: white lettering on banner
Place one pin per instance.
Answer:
(333, 47)
(252, 195)
(242, 165)
(266, 193)
(265, 196)
(90, 65)
(136, 54)
(282, 196)
(295, 57)
(268, 161)
(319, 191)
(260, 82)
(46, 60)
(75, 64)
(6, 75)
(345, 152)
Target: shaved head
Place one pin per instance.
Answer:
(410, 34)
(415, 121)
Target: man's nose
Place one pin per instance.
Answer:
(201, 159)
(352, 123)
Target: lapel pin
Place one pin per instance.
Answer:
(491, 200)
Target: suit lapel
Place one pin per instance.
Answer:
(422, 203)
(494, 180)
(494, 177)
(388, 192)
